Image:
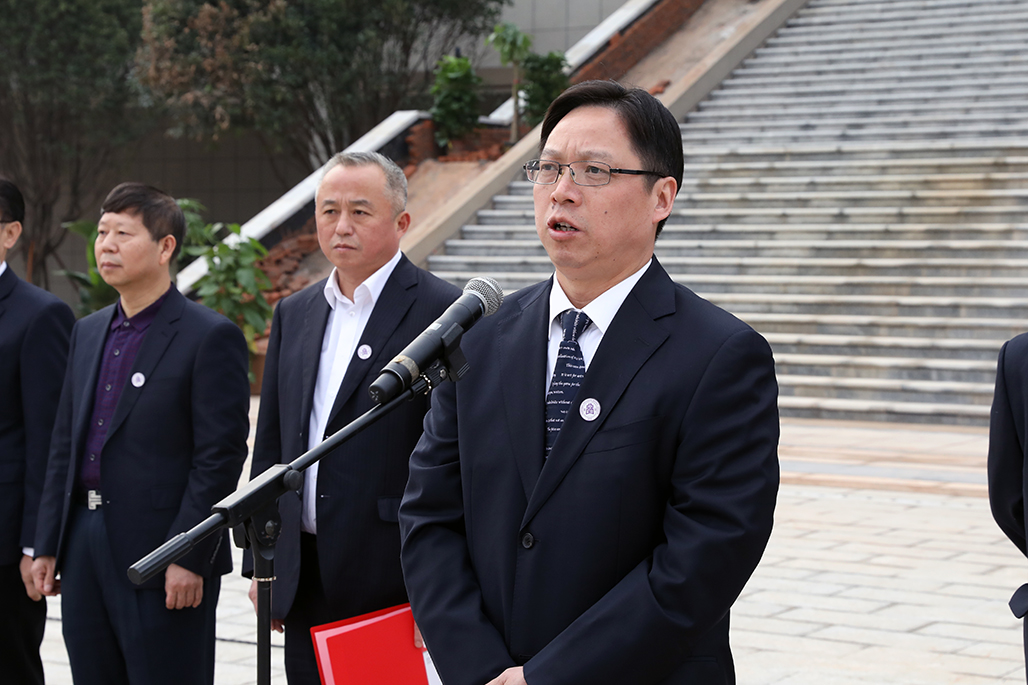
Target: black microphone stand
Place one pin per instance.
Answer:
(252, 510)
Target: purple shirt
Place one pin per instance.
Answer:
(123, 342)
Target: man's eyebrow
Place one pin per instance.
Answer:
(584, 155)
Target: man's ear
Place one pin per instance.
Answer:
(166, 247)
(10, 235)
(664, 192)
(402, 223)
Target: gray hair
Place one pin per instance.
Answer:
(396, 182)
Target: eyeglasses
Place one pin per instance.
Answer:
(545, 172)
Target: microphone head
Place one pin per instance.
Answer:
(487, 290)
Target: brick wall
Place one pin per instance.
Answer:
(626, 48)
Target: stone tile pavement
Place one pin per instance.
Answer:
(884, 567)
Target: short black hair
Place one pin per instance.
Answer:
(12, 204)
(157, 210)
(652, 130)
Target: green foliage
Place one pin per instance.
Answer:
(68, 100)
(455, 91)
(94, 293)
(233, 282)
(544, 81)
(513, 46)
(308, 76)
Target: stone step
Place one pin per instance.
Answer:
(894, 182)
(886, 390)
(894, 368)
(923, 97)
(795, 78)
(1003, 197)
(866, 8)
(753, 68)
(911, 326)
(834, 409)
(891, 347)
(786, 111)
(1016, 26)
(848, 125)
(869, 131)
(844, 150)
(870, 52)
(869, 305)
(864, 165)
(871, 87)
(838, 16)
(780, 231)
(986, 19)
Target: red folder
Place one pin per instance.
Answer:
(372, 649)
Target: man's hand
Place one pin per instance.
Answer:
(419, 642)
(512, 676)
(276, 623)
(183, 588)
(44, 576)
(25, 566)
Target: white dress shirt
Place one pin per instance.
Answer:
(346, 322)
(601, 311)
(3, 267)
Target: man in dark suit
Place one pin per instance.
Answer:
(338, 555)
(34, 327)
(598, 532)
(1008, 442)
(150, 433)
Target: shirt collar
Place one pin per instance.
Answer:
(142, 320)
(3, 267)
(600, 311)
(368, 291)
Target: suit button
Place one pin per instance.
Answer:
(527, 540)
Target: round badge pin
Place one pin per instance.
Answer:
(138, 379)
(364, 351)
(589, 409)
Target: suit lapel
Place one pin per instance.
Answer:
(397, 297)
(315, 319)
(158, 336)
(634, 335)
(521, 346)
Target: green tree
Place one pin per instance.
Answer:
(308, 76)
(68, 101)
(513, 46)
(455, 94)
(544, 81)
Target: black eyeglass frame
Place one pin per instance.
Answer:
(611, 170)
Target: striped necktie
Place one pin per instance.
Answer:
(567, 374)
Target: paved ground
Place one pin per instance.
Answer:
(885, 567)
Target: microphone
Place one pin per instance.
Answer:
(482, 297)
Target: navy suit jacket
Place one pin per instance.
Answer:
(34, 328)
(618, 559)
(1008, 441)
(175, 446)
(360, 482)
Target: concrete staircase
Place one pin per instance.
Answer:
(858, 192)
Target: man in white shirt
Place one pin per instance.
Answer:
(338, 555)
(588, 502)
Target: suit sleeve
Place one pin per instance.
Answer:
(437, 570)
(267, 445)
(220, 408)
(716, 526)
(44, 359)
(51, 501)
(1006, 456)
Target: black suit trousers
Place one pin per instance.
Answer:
(21, 629)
